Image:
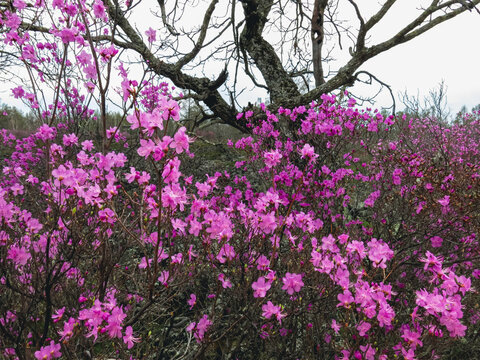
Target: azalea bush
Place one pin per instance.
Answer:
(351, 246)
(354, 238)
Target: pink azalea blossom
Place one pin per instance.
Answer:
(226, 283)
(269, 310)
(445, 201)
(260, 287)
(192, 301)
(51, 351)
(128, 337)
(272, 158)
(152, 35)
(292, 283)
(345, 299)
(180, 141)
(99, 10)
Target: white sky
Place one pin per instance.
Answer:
(450, 51)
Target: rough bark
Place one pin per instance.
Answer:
(279, 83)
(318, 35)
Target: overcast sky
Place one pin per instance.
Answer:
(449, 52)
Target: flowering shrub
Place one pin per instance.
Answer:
(356, 238)
(351, 247)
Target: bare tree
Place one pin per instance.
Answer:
(433, 106)
(273, 43)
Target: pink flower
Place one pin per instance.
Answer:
(370, 200)
(84, 58)
(99, 12)
(201, 327)
(180, 141)
(327, 338)
(46, 132)
(454, 326)
(146, 147)
(268, 222)
(58, 315)
(464, 284)
(379, 253)
(19, 4)
(128, 337)
(67, 35)
(436, 241)
(308, 152)
(13, 20)
(369, 351)
(363, 327)
(70, 139)
(335, 327)
(115, 321)
(226, 283)
(171, 172)
(152, 35)
(385, 315)
(227, 252)
(269, 310)
(358, 247)
(68, 328)
(87, 145)
(90, 86)
(345, 299)
(51, 351)
(272, 158)
(90, 72)
(419, 207)
(431, 262)
(192, 301)
(191, 326)
(397, 176)
(107, 215)
(143, 263)
(263, 263)
(164, 277)
(412, 338)
(261, 287)
(170, 109)
(18, 92)
(292, 283)
(271, 276)
(18, 255)
(444, 201)
(328, 244)
(410, 354)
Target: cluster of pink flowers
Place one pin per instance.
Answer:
(284, 237)
(349, 240)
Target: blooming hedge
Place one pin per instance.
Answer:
(341, 232)
(357, 241)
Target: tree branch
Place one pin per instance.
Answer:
(202, 86)
(317, 34)
(199, 44)
(280, 85)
